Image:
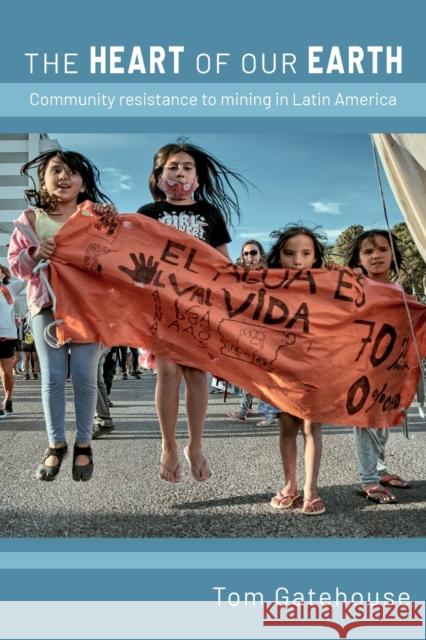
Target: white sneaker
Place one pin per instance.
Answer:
(267, 422)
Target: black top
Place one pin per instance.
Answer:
(201, 220)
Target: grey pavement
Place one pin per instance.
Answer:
(126, 498)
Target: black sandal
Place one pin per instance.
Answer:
(82, 472)
(49, 473)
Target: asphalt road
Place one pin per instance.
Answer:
(126, 498)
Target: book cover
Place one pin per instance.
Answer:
(288, 96)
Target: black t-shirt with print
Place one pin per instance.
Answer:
(201, 220)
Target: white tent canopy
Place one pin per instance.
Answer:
(403, 156)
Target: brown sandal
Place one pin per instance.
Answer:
(389, 480)
(377, 494)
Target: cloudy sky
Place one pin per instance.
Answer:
(318, 179)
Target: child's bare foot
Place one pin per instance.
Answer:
(169, 466)
(199, 466)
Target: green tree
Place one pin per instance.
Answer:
(412, 279)
(343, 241)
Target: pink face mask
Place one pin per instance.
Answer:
(178, 190)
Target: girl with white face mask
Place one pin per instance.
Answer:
(192, 192)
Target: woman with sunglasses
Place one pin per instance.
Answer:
(252, 256)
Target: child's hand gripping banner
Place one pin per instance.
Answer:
(322, 345)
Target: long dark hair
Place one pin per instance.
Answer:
(281, 236)
(76, 162)
(214, 178)
(352, 251)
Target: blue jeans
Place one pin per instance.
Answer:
(370, 445)
(268, 410)
(54, 366)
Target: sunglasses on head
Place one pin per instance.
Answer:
(253, 252)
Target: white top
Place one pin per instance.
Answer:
(7, 315)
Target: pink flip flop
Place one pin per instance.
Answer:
(286, 501)
(307, 507)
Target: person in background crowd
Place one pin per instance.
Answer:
(30, 352)
(9, 289)
(252, 256)
(103, 423)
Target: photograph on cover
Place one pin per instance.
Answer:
(286, 268)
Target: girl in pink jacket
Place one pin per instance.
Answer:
(66, 178)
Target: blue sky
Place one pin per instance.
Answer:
(318, 179)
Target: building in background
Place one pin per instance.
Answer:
(15, 150)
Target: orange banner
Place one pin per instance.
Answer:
(323, 345)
